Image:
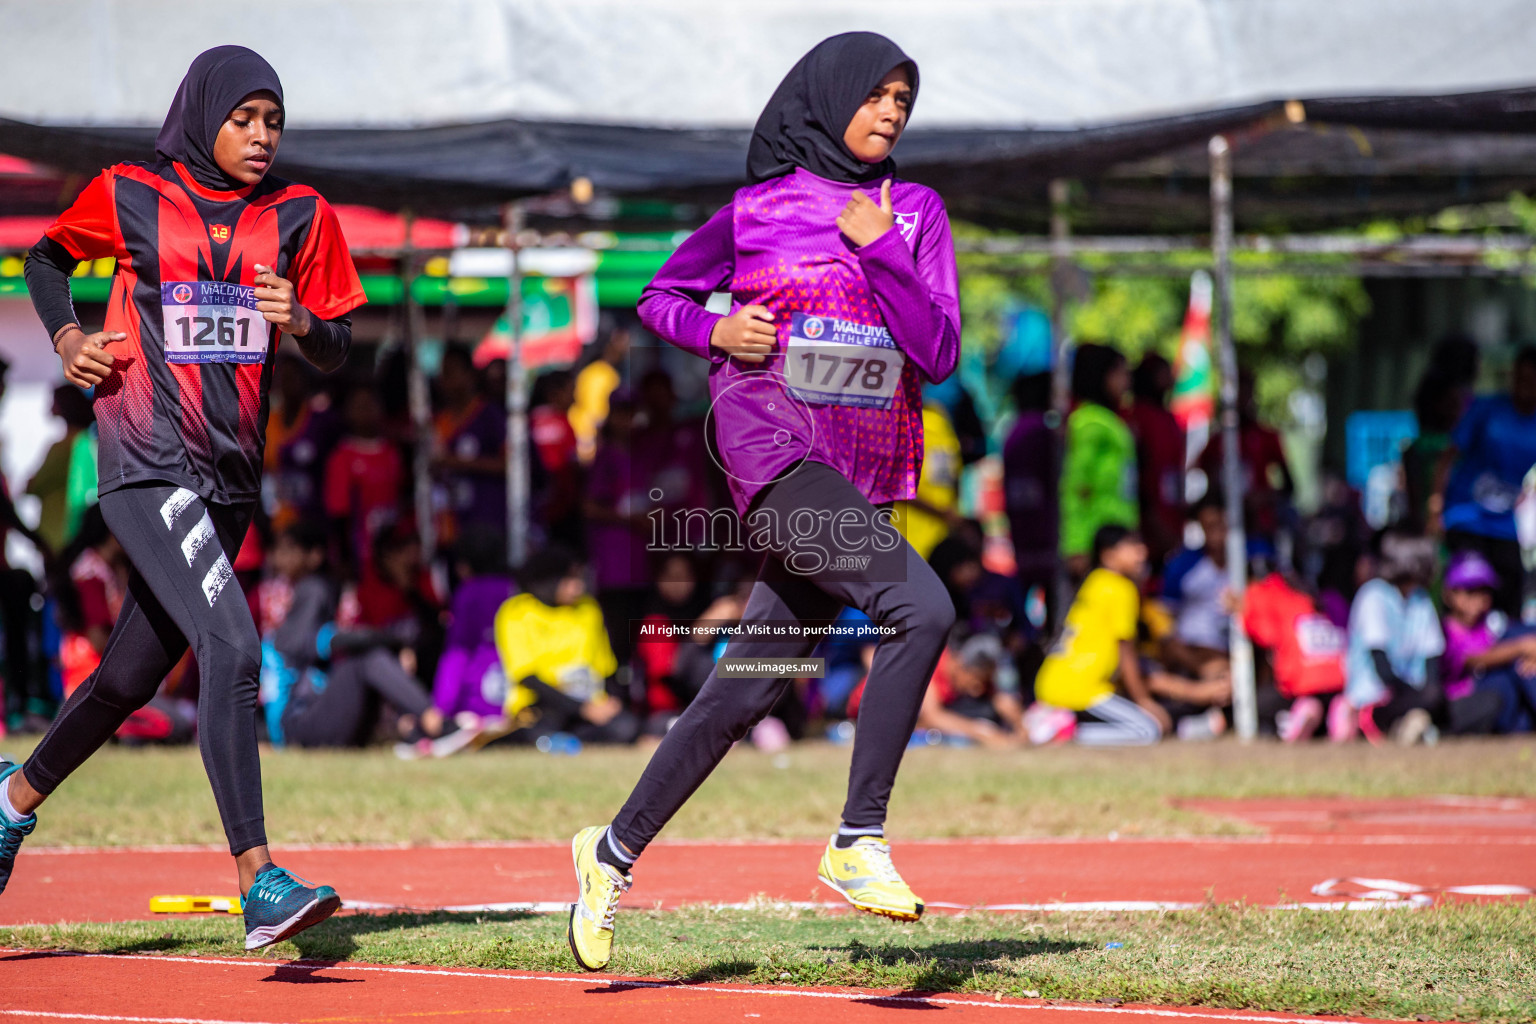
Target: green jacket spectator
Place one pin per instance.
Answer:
(1098, 479)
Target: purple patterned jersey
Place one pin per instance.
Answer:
(859, 330)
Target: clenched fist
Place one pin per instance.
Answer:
(85, 357)
(274, 300)
(747, 334)
(862, 221)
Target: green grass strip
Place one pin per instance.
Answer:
(134, 797)
(1460, 962)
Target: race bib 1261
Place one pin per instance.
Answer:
(213, 322)
(834, 362)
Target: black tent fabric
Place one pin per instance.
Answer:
(1358, 157)
(509, 159)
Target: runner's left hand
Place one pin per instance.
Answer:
(274, 300)
(862, 221)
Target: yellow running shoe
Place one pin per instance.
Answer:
(599, 887)
(864, 875)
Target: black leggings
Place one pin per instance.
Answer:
(343, 712)
(800, 582)
(182, 590)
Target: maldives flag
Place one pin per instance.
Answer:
(1194, 392)
(559, 317)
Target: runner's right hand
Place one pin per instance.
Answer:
(85, 357)
(747, 334)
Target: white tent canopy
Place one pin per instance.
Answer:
(459, 105)
(712, 63)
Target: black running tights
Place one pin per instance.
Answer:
(817, 563)
(182, 591)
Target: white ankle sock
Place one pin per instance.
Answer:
(847, 835)
(6, 807)
(617, 849)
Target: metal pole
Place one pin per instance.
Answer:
(517, 400)
(1061, 377)
(419, 398)
(1244, 704)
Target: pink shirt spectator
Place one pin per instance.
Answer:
(1461, 643)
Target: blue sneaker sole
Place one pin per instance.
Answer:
(7, 769)
(310, 916)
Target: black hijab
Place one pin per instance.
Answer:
(1091, 366)
(217, 80)
(804, 122)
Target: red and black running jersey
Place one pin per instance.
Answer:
(186, 402)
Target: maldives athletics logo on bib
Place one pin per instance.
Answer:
(181, 293)
(813, 327)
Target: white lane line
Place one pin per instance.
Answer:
(546, 907)
(1361, 901)
(562, 908)
(1043, 841)
(1490, 890)
(1388, 890)
(53, 1015)
(617, 983)
(1089, 906)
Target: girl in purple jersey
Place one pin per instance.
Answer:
(844, 302)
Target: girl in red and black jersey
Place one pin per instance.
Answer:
(215, 260)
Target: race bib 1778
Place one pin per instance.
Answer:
(834, 362)
(213, 322)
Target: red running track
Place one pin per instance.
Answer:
(197, 990)
(100, 885)
(1433, 843)
(1461, 816)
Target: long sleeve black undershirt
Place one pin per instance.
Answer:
(327, 342)
(48, 269)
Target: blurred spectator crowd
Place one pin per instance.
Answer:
(1093, 595)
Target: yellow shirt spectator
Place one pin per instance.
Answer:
(594, 385)
(938, 487)
(1080, 669)
(563, 646)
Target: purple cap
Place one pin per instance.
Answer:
(1471, 571)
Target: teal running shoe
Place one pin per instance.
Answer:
(11, 832)
(279, 906)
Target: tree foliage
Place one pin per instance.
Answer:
(1278, 318)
